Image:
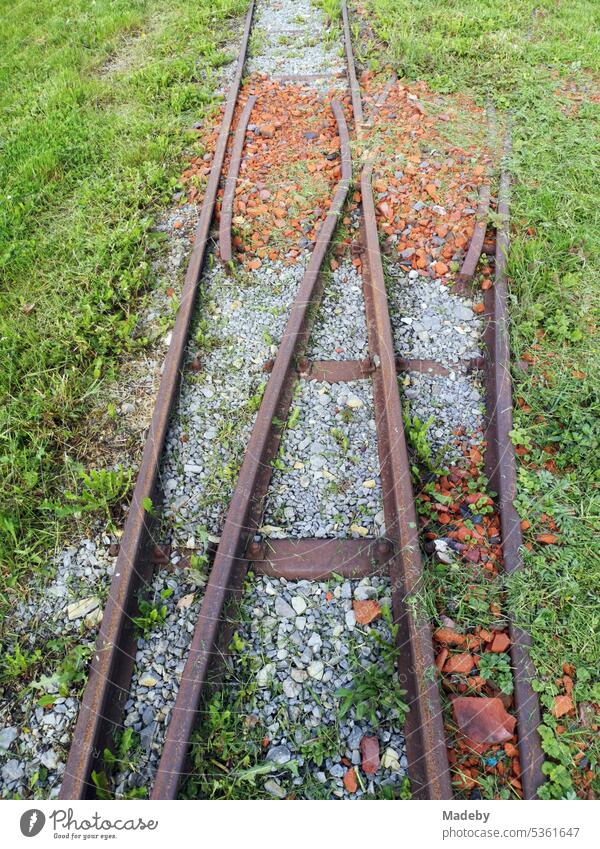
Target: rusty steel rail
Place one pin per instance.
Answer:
(339, 371)
(501, 469)
(357, 109)
(471, 260)
(424, 729)
(335, 371)
(379, 103)
(230, 564)
(112, 664)
(237, 149)
(477, 244)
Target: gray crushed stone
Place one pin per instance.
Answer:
(326, 482)
(68, 608)
(218, 404)
(455, 405)
(299, 663)
(159, 664)
(340, 329)
(288, 39)
(430, 322)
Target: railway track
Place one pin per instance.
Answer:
(243, 553)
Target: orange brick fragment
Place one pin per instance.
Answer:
(449, 636)
(350, 781)
(366, 611)
(500, 643)
(462, 663)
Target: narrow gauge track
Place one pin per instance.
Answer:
(397, 554)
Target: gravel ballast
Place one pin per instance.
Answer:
(301, 644)
(340, 329)
(288, 39)
(326, 480)
(430, 322)
(237, 332)
(159, 664)
(453, 402)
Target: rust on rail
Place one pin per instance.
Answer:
(471, 260)
(335, 371)
(112, 664)
(501, 470)
(319, 559)
(225, 222)
(357, 109)
(424, 730)
(230, 564)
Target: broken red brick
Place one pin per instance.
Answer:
(500, 643)
(369, 750)
(350, 780)
(482, 719)
(366, 611)
(449, 636)
(462, 663)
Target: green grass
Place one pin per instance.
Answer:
(96, 103)
(524, 54)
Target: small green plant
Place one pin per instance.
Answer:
(123, 758)
(13, 666)
(375, 688)
(418, 439)
(483, 506)
(148, 506)
(371, 694)
(388, 792)
(341, 438)
(227, 752)
(325, 744)
(99, 490)
(126, 747)
(254, 401)
(293, 418)
(205, 339)
(199, 562)
(70, 673)
(495, 667)
(559, 784)
(199, 559)
(331, 8)
(101, 783)
(152, 614)
(492, 788)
